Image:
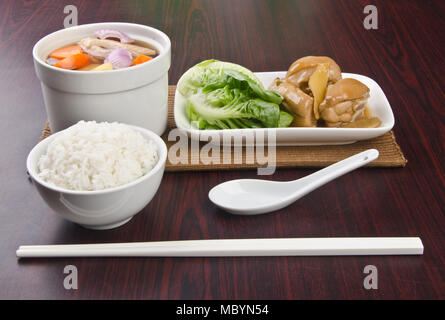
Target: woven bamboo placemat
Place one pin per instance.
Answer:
(291, 157)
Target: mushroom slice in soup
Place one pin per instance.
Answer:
(102, 47)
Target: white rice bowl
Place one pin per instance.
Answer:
(95, 156)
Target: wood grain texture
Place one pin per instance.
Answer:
(405, 56)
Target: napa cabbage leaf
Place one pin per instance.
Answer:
(223, 95)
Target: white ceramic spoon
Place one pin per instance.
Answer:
(254, 196)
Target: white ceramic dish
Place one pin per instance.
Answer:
(101, 209)
(295, 136)
(136, 95)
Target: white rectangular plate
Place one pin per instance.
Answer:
(296, 136)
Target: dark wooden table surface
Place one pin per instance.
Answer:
(405, 56)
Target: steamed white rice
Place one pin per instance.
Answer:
(96, 156)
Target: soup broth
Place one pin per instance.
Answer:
(106, 50)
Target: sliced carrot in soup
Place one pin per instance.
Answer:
(75, 61)
(65, 52)
(141, 59)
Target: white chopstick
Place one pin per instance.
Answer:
(234, 248)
